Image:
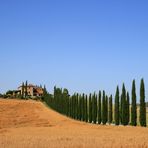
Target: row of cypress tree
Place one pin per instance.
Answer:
(124, 112)
(99, 108)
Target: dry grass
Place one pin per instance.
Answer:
(29, 124)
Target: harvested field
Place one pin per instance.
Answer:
(30, 124)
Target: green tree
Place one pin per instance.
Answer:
(77, 106)
(116, 111)
(74, 106)
(70, 107)
(26, 90)
(86, 109)
(110, 110)
(23, 87)
(90, 108)
(45, 93)
(134, 105)
(123, 106)
(142, 104)
(99, 108)
(128, 109)
(94, 108)
(104, 108)
(83, 107)
(80, 107)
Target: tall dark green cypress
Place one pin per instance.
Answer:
(142, 104)
(26, 92)
(23, 87)
(86, 109)
(123, 104)
(71, 107)
(116, 111)
(67, 98)
(128, 109)
(95, 109)
(90, 108)
(83, 108)
(104, 108)
(77, 105)
(99, 108)
(134, 105)
(110, 116)
(72, 110)
(80, 107)
(45, 93)
(74, 106)
(68, 106)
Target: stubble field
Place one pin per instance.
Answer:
(30, 124)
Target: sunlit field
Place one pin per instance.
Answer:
(29, 124)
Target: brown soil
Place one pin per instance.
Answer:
(29, 124)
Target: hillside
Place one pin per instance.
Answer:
(29, 124)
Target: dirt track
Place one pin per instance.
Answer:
(29, 124)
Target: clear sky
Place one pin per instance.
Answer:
(83, 45)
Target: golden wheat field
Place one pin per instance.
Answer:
(30, 124)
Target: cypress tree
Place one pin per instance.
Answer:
(134, 105)
(70, 106)
(45, 93)
(90, 108)
(86, 109)
(103, 109)
(128, 109)
(123, 106)
(26, 92)
(142, 104)
(80, 108)
(74, 106)
(22, 90)
(77, 107)
(67, 103)
(54, 105)
(121, 103)
(99, 108)
(106, 109)
(95, 108)
(68, 109)
(83, 107)
(117, 107)
(110, 110)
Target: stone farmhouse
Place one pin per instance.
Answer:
(32, 90)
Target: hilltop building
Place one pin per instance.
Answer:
(32, 90)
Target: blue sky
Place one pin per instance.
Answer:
(84, 45)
